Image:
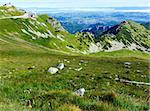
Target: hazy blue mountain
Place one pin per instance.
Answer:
(74, 20)
(81, 20)
(96, 29)
(146, 25)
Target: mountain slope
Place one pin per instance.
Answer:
(26, 84)
(42, 30)
(27, 52)
(127, 34)
(46, 31)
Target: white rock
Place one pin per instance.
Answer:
(52, 70)
(80, 92)
(68, 61)
(79, 69)
(127, 63)
(61, 66)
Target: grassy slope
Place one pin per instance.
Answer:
(46, 92)
(38, 27)
(18, 84)
(123, 53)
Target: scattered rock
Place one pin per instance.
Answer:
(127, 63)
(68, 61)
(138, 71)
(70, 68)
(79, 69)
(110, 77)
(116, 79)
(65, 60)
(127, 66)
(61, 66)
(106, 72)
(143, 76)
(83, 61)
(80, 64)
(27, 91)
(80, 92)
(29, 103)
(52, 70)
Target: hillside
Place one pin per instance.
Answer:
(48, 32)
(30, 44)
(42, 30)
(26, 84)
(126, 35)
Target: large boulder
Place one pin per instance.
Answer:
(53, 70)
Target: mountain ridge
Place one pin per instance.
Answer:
(48, 32)
(127, 34)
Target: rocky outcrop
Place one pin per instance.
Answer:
(55, 24)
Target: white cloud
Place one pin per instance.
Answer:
(78, 3)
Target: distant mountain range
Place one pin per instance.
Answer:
(81, 20)
(96, 29)
(77, 19)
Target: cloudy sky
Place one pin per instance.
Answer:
(78, 3)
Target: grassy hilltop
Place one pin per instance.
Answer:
(29, 47)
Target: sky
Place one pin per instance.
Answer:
(78, 3)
